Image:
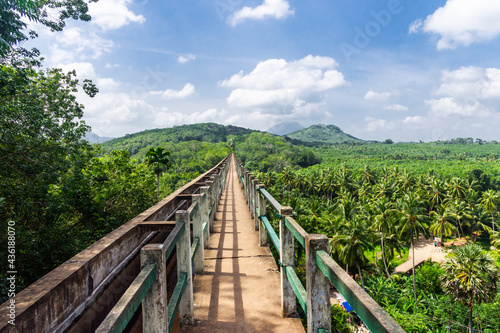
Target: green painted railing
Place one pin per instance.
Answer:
(273, 202)
(194, 247)
(274, 238)
(173, 305)
(122, 312)
(172, 239)
(297, 286)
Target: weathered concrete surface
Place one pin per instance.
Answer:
(240, 290)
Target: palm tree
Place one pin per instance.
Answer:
(441, 225)
(495, 239)
(490, 197)
(159, 160)
(287, 177)
(383, 214)
(435, 191)
(351, 242)
(456, 188)
(459, 210)
(478, 218)
(471, 277)
(412, 223)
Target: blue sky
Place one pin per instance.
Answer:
(407, 70)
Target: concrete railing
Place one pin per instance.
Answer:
(104, 285)
(321, 269)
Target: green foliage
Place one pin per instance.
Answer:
(266, 152)
(471, 275)
(13, 11)
(89, 199)
(340, 320)
(391, 194)
(207, 132)
(159, 161)
(323, 134)
(428, 278)
(41, 128)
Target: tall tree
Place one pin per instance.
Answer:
(441, 225)
(352, 239)
(384, 213)
(490, 198)
(159, 160)
(471, 277)
(412, 222)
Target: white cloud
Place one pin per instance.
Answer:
(113, 14)
(186, 91)
(448, 106)
(396, 107)
(167, 119)
(187, 58)
(377, 96)
(269, 9)
(111, 66)
(374, 125)
(85, 70)
(414, 120)
(471, 83)
(282, 87)
(415, 26)
(462, 22)
(115, 114)
(76, 44)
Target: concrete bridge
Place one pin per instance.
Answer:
(198, 261)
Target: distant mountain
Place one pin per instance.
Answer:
(285, 128)
(208, 132)
(323, 134)
(94, 138)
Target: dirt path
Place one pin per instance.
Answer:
(424, 250)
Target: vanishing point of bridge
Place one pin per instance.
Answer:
(198, 261)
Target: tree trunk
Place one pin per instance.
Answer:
(383, 258)
(470, 320)
(493, 221)
(413, 269)
(158, 186)
(463, 233)
(361, 277)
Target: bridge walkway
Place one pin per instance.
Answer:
(240, 289)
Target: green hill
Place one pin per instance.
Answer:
(323, 134)
(206, 132)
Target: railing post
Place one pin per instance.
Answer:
(251, 179)
(204, 214)
(211, 201)
(317, 286)
(262, 212)
(186, 307)
(288, 300)
(154, 305)
(245, 189)
(199, 257)
(255, 199)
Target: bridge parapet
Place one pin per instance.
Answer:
(321, 269)
(77, 295)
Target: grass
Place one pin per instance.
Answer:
(370, 255)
